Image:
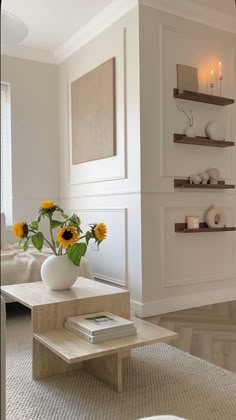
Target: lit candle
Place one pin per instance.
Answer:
(220, 70)
(212, 78)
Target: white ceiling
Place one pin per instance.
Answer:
(54, 25)
(225, 6)
(52, 22)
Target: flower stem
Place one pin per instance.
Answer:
(54, 250)
(53, 242)
(46, 240)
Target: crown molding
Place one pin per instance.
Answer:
(98, 24)
(183, 8)
(27, 53)
(198, 13)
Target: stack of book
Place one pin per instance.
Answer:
(99, 327)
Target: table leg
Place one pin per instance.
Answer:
(45, 363)
(108, 369)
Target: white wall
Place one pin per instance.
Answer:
(108, 190)
(34, 129)
(180, 271)
(133, 192)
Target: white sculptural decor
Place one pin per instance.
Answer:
(215, 130)
(195, 179)
(210, 176)
(214, 175)
(189, 130)
(215, 218)
(204, 177)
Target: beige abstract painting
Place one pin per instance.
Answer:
(93, 114)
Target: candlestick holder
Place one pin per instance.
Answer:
(220, 79)
(211, 87)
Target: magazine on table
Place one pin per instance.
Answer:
(101, 337)
(100, 323)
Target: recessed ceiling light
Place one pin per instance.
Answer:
(13, 29)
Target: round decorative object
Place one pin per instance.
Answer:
(195, 179)
(214, 175)
(204, 177)
(59, 272)
(190, 132)
(215, 130)
(215, 218)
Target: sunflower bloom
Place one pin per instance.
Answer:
(100, 231)
(47, 204)
(20, 229)
(67, 236)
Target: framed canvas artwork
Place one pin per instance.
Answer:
(187, 78)
(93, 114)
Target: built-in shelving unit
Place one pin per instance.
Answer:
(201, 141)
(182, 228)
(203, 97)
(184, 183)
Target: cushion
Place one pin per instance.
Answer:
(3, 231)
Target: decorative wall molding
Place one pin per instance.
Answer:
(178, 303)
(111, 280)
(104, 194)
(112, 168)
(196, 12)
(39, 196)
(98, 24)
(109, 262)
(114, 11)
(27, 53)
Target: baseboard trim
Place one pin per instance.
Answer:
(178, 303)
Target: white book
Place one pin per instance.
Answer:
(99, 323)
(102, 337)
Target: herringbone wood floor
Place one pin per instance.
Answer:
(208, 332)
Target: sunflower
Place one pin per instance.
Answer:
(47, 204)
(100, 231)
(20, 229)
(67, 235)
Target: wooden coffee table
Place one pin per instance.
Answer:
(56, 350)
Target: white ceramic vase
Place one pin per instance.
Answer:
(58, 272)
(190, 132)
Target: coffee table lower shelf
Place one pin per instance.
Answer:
(103, 359)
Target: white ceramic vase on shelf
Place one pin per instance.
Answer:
(59, 272)
(190, 132)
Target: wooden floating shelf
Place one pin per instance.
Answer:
(184, 183)
(202, 97)
(201, 141)
(182, 228)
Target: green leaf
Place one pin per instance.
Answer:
(76, 251)
(88, 236)
(62, 213)
(37, 240)
(34, 224)
(55, 223)
(65, 216)
(25, 247)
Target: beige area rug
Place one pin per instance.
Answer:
(159, 380)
